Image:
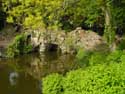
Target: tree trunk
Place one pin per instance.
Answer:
(109, 33)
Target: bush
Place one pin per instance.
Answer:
(121, 46)
(97, 58)
(52, 84)
(27, 49)
(91, 57)
(104, 75)
(115, 56)
(99, 79)
(19, 46)
(122, 58)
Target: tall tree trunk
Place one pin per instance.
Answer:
(109, 32)
(107, 24)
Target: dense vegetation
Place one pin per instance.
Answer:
(67, 14)
(106, 78)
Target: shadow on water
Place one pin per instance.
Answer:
(22, 75)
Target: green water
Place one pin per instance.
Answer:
(23, 75)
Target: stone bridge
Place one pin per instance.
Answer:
(66, 42)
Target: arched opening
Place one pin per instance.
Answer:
(51, 47)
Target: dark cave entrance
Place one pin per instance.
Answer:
(51, 47)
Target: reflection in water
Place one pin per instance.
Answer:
(23, 75)
(25, 84)
(13, 78)
(40, 86)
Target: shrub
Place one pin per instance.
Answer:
(99, 79)
(91, 57)
(27, 48)
(115, 56)
(52, 84)
(98, 58)
(122, 58)
(121, 46)
(94, 57)
(105, 76)
(19, 46)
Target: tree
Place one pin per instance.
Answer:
(67, 14)
(32, 13)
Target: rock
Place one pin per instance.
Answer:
(42, 47)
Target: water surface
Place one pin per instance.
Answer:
(22, 75)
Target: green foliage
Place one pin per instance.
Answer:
(121, 46)
(122, 58)
(33, 13)
(83, 56)
(81, 53)
(90, 58)
(109, 34)
(19, 46)
(93, 58)
(52, 84)
(27, 48)
(99, 79)
(114, 56)
(67, 14)
(97, 58)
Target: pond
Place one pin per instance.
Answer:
(22, 75)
